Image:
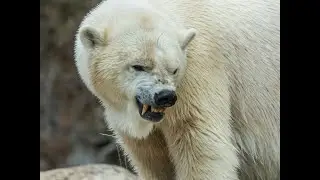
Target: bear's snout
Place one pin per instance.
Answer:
(165, 98)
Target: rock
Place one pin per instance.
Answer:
(71, 119)
(89, 172)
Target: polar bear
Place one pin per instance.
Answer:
(191, 88)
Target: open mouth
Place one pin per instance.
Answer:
(150, 113)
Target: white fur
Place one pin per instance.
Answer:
(129, 122)
(228, 112)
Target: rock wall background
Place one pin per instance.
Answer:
(70, 117)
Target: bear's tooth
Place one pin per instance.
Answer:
(162, 109)
(144, 109)
(154, 109)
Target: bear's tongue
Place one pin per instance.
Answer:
(145, 108)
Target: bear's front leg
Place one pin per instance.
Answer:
(149, 156)
(202, 150)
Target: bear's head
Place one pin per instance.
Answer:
(135, 66)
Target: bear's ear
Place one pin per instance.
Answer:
(90, 37)
(186, 36)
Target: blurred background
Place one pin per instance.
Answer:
(71, 119)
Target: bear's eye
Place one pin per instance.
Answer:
(175, 71)
(138, 68)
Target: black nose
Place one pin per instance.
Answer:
(165, 98)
